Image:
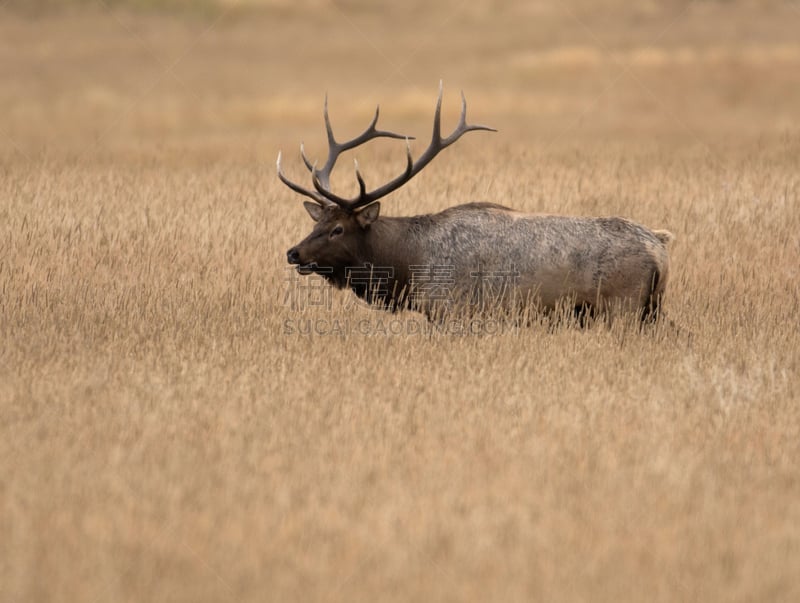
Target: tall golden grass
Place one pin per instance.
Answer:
(182, 419)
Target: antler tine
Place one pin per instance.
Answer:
(296, 187)
(437, 116)
(368, 134)
(462, 119)
(409, 159)
(463, 127)
(309, 165)
(328, 128)
(362, 187)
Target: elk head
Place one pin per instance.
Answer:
(338, 238)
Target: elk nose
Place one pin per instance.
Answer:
(293, 256)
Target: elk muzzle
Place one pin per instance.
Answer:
(293, 257)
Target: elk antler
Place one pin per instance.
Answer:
(334, 150)
(321, 178)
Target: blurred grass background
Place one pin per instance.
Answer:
(109, 77)
(162, 435)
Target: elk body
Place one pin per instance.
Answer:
(477, 257)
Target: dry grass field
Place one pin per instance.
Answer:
(181, 419)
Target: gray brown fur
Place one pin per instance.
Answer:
(496, 258)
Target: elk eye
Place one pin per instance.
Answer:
(337, 230)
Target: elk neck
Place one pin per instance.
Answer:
(390, 245)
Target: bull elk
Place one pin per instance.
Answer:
(476, 256)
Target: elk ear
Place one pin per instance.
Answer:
(315, 210)
(368, 215)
